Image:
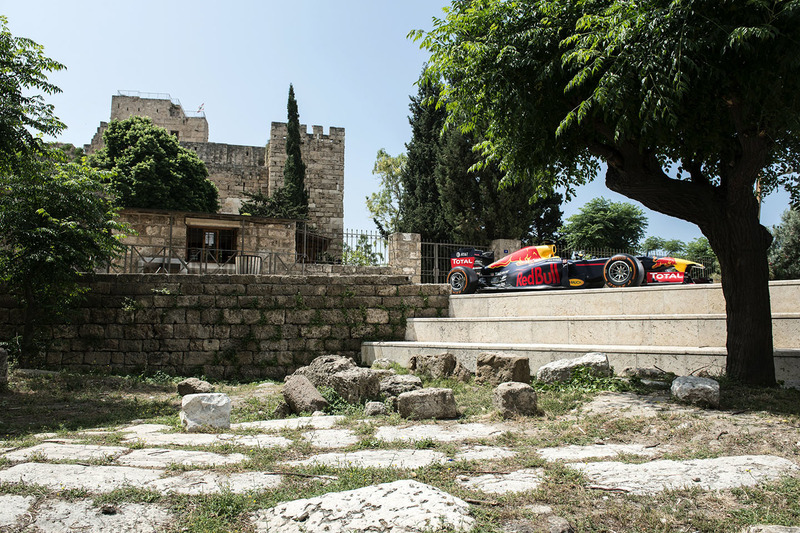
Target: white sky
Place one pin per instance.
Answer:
(350, 61)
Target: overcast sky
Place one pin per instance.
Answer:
(350, 61)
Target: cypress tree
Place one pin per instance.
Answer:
(294, 172)
(420, 207)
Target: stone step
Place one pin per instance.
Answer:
(681, 360)
(649, 300)
(646, 330)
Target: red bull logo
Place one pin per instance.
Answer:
(664, 262)
(549, 275)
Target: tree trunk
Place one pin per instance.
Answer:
(28, 351)
(741, 243)
(729, 219)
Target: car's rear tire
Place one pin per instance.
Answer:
(623, 270)
(462, 280)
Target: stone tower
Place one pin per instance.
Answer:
(238, 169)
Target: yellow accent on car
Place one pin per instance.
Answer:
(574, 282)
(682, 264)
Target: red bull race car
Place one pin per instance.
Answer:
(538, 267)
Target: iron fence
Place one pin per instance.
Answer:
(351, 248)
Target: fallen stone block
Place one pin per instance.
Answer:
(515, 399)
(561, 370)
(302, 397)
(436, 366)
(353, 383)
(398, 384)
(763, 528)
(205, 410)
(374, 409)
(428, 403)
(404, 506)
(496, 368)
(696, 391)
(194, 386)
(357, 385)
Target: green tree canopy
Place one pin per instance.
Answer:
(706, 88)
(668, 246)
(604, 225)
(150, 169)
(23, 110)
(784, 254)
(384, 205)
(57, 221)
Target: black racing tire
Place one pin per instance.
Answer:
(623, 270)
(462, 280)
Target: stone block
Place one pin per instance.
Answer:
(396, 385)
(205, 410)
(695, 390)
(561, 370)
(194, 386)
(301, 395)
(513, 398)
(495, 368)
(436, 366)
(428, 403)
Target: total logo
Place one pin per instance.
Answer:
(665, 277)
(462, 261)
(538, 276)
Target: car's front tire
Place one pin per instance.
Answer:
(623, 270)
(462, 280)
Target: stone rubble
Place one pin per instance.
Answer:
(212, 410)
(514, 399)
(194, 386)
(423, 404)
(696, 391)
(561, 370)
(497, 368)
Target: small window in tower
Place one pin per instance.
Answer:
(175, 133)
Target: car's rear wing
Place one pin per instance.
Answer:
(471, 258)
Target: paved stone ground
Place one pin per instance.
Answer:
(154, 457)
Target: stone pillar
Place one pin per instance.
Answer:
(405, 255)
(503, 247)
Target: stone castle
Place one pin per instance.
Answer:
(239, 169)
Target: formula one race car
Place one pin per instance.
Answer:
(538, 267)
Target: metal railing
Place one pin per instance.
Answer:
(351, 248)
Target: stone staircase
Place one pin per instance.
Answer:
(678, 328)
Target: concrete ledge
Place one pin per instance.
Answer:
(668, 299)
(678, 359)
(667, 329)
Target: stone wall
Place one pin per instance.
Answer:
(234, 170)
(229, 326)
